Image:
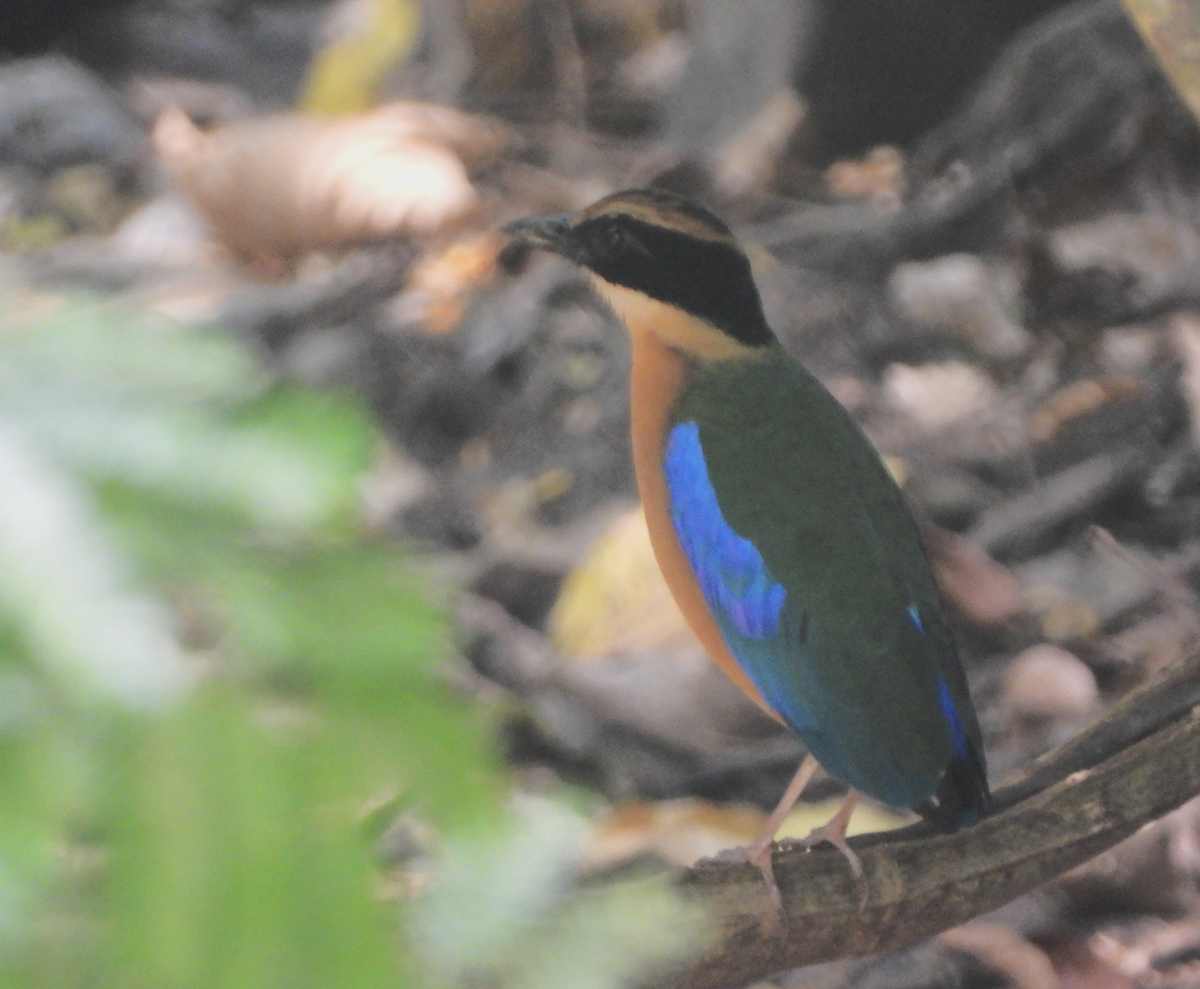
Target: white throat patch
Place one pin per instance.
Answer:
(677, 329)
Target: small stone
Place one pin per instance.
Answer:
(935, 396)
(1155, 252)
(961, 296)
(166, 231)
(1046, 682)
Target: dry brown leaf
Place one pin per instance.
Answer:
(1154, 644)
(679, 832)
(1001, 948)
(1079, 966)
(1062, 614)
(746, 160)
(1077, 401)
(441, 283)
(283, 185)
(1173, 34)
(1186, 339)
(979, 588)
(505, 39)
(879, 175)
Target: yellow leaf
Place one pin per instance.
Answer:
(684, 830)
(868, 817)
(369, 38)
(616, 601)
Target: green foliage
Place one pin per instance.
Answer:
(502, 915)
(205, 674)
(215, 694)
(237, 862)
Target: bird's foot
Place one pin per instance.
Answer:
(837, 838)
(834, 832)
(760, 855)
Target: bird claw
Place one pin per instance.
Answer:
(760, 855)
(835, 834)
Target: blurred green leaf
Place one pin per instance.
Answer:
(119, 396)
(206, 674)
(238, 860)
(505, 914)
(217, 695)
(63, 586)
(96, 349)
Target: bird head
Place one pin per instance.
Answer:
(665, 264)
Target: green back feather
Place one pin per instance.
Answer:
(795, 475)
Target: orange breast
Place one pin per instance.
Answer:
(657, 378)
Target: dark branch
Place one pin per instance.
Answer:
(1136, 764)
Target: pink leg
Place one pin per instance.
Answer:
(835, 833)
(759, 853)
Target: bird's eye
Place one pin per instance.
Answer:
(615, 240)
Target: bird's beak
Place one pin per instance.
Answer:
(550, 233)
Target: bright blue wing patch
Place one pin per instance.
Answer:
(736, 582)
(772, 645)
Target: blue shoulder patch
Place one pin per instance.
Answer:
(736, 582)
